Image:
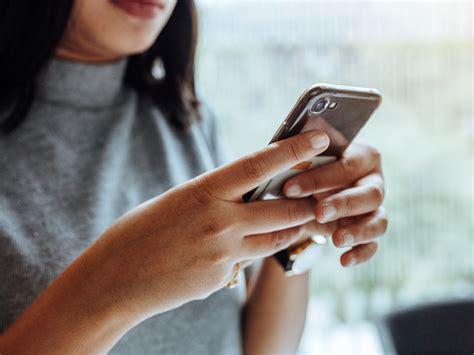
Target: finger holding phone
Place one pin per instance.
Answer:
(349, 194)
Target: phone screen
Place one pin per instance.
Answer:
(340, 114)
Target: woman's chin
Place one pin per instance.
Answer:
(131, 46)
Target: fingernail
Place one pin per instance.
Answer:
(351, 262)
(294, 190)
(319, 141)
(348, 240)
(329, 212)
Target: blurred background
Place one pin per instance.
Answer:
(254, 60)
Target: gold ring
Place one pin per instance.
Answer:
(234, 281)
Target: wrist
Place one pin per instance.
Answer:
(300, 257)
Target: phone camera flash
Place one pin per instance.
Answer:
(332, 105)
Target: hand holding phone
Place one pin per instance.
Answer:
(339, 111)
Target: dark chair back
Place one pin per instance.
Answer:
(438, 328)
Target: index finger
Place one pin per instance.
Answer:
(233, 180)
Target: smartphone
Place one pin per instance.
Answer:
(340, 111)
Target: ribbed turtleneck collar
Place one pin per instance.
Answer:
(81, 84)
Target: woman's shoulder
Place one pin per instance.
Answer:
(207, 118)
(212, 128)
(206, 128)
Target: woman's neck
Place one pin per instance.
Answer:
(69, 53)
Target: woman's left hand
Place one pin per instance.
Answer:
(349, 192)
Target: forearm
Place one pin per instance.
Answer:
(75, 314)
(275, 312)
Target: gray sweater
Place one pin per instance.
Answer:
(89, 150)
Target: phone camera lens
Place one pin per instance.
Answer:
(320, 105)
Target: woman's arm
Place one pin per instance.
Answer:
(75, 315)
(275, 312)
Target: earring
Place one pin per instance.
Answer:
(158, 69)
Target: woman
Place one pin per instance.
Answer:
(89, 134)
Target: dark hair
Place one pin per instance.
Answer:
(30, 32)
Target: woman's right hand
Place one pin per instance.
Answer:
(180, 246)
(184, 244)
